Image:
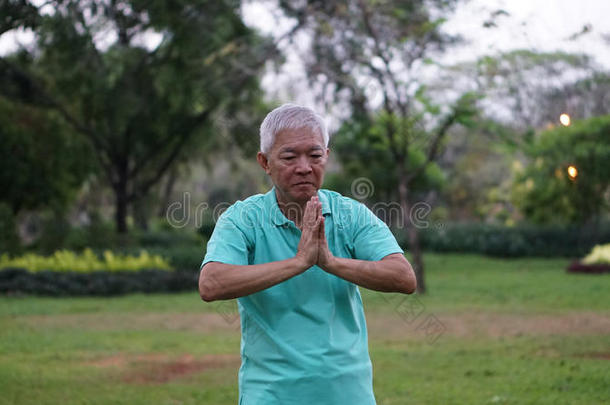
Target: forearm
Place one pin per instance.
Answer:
(219, 281)
(388, 275)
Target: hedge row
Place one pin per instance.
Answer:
(184, 258)
(101, 283)
(86, 261)
(518, 241)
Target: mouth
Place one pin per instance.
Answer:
(304, 183)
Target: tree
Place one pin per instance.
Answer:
(142, 107)
(528, 89)
(567, 180)
(35, 143)
(363, 151)
(364, 44)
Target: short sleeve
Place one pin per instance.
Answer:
(372, 239)
(228, 243)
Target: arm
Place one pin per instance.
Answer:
(220, 281)
(393, 273)
(226, 281)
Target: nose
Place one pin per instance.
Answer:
(303, 166)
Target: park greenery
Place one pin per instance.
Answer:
(567, 175)
(118, 109)
(88, 261)
(511, 332)
(138, 109)
(127, 126)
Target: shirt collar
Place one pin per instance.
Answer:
(279, 218)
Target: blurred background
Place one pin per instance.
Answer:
(478, 130)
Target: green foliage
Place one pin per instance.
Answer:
(142, 108)
(185, 258)
(54, 235)
(106, 283)
(9, 240)
(478, 167)
(363, 150)
(546, 193)
(182, 258)
(42, 162)
(514, 335)
(183, 249)
(97, 234)
(515, 241)
(86, 262)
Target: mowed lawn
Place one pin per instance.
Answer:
(489, 331)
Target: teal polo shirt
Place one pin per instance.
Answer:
(304, 340)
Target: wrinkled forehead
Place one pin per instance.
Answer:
(300, 139)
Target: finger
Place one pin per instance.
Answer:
(313, 212)
(307, 214)
(319, 225)
(322, 232)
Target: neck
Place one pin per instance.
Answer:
(293, 210)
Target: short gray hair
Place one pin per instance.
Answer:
(290, 116)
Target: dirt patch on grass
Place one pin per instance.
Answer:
(487, 324)
(595, 355)
(159, 368)
(205, 323)
(380, 325)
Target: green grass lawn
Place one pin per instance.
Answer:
(489, 332)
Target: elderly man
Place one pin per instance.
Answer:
(294, 258)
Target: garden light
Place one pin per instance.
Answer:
(572, 172)
(564, 119)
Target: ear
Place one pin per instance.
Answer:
(263, 161)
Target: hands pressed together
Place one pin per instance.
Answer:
(313, 247)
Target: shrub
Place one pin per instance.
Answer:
(518, 241)
(598, 261)
(181, 258)
(65, 260)
(104, 283)
(9, 240)
(167, 238)
(109, 273)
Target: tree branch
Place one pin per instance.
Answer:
(186, 132)
(47, 101)
(380, 53)
(434, 146)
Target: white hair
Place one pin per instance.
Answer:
(290, 116)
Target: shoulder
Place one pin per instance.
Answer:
(339, 203)
(335, 198)
(240, 211)
(348, 214)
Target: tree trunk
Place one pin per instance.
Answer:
(141, 212)
(121, 209)
(167, 192)
(121, 197)
(413, 233)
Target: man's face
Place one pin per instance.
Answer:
(296, 164)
